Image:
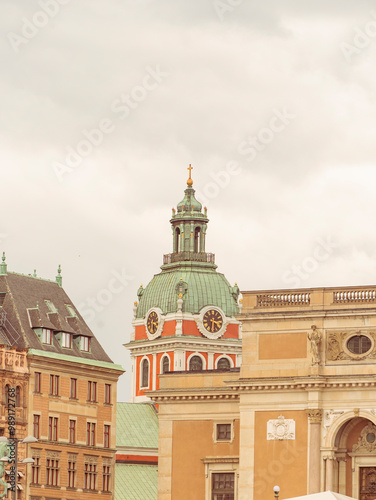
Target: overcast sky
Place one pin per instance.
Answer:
(104, 103)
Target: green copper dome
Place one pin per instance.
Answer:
(189, 270)
(200, 287)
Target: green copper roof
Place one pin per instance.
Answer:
(204, 287)
(136, 482)
(73, 359)
(189, 207)
(136, 425)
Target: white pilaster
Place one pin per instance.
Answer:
(154, 386)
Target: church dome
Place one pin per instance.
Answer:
(188, 272)
(199, 287)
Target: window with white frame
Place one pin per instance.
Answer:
(145, 373)
(223, 431)
(85, 344)
(66, 340)
(46, 336)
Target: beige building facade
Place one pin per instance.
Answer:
(300, 413)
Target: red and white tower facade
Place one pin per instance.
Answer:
(185, 318)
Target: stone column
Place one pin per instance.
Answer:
(329, 473)
(314, 418)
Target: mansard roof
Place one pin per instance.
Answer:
(30, 303)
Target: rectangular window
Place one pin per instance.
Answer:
(223, 486)
(106, 440)
(107, 393)
(52, 472)
(73, 388)
(46, 336)
(106, 478)
(72, 474)
(223, 432)
(92, 392)
(90, 434)
(85, 344)
(66, 340)
(54, 385)
(36, 422)
(52, 428)
(90, 476)
(37, 382)
(72, 431)
(36, 471)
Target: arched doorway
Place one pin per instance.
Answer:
(351, 465)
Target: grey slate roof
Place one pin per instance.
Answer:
(26, 308)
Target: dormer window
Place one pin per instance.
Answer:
(66, 340)
(71, 311)
(51, 306)
(85, 343)
(46, 336)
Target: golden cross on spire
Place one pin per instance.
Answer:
(190, 181)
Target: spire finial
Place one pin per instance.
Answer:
(59, 278)
(3, 266)
(190, 181)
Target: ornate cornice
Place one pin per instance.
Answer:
(165, 343)
(197, 396)
(307, 384)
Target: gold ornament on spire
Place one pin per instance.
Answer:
(190, 181)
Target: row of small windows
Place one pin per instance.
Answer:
(92, 388)
(53, 431)
(65, 340)
(195, 364)
(53, 474)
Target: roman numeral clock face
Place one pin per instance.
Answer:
(212, 320)
(152, 322)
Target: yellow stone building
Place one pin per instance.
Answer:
(300, 412)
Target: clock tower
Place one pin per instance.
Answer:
(184, 318)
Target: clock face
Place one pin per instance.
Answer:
(152, 322)
(213, 321)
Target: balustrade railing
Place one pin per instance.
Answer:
(352, 296)
(186, 256)
(283, 299)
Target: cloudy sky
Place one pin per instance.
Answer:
(106, 102)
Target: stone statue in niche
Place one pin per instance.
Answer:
(314, 336)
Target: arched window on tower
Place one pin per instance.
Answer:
(18, 396)
(195, 363)
(177, 240)
(145, 373)
(165, 364)
(223, 364)
(197, 240)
